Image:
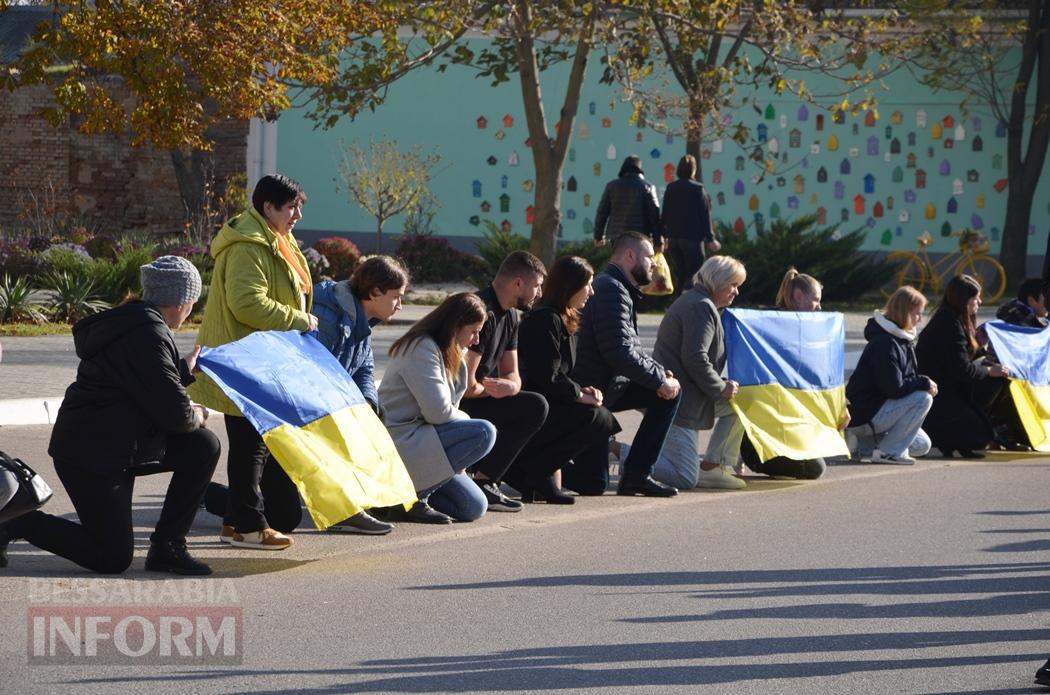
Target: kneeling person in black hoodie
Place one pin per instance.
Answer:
(128, 414)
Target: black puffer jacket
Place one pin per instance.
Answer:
(609, 353)
(887, 370)
(129, 391)
(628, 204)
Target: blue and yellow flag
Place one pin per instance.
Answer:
(314, 421)
(789, 366)
(1026, 353)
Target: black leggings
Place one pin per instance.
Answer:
(261, 495)
(104, 539)
(516, 418)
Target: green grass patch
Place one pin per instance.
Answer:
(34, 329)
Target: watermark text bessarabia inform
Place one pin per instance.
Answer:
(127, 622)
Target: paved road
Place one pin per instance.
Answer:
(877, 579)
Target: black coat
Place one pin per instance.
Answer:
(546, 355)
(128, 393)
(956, 420)
(686, 212)
(628, 204)
(609, 353)
(887, 370)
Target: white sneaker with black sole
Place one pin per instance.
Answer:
(879, 456)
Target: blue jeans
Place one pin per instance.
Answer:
(897, 427)
(679, 462)
(464, 442)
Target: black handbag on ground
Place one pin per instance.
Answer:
(21, 489)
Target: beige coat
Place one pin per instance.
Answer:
(416, 394)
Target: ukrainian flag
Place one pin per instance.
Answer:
(1025, 351)
(314, 421)
(789, 366)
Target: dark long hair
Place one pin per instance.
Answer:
(957, 294)
(568, 275)
(441, 324)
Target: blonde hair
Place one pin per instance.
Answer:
(794, 280)
(720, 271)
(901, 303)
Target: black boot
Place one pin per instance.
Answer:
(172, 556)
(1042, 676)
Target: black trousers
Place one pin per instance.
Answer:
(589, 472)
(516, 418)
(956, 422)
(104, 539)
(569, 429)
(261, 495)
(685, 256)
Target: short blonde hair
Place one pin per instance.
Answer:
(720, 271)
(901, 303)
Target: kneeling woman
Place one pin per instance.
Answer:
(691, 344)
(128, 414)
(888, 397)
(576, 419)
(420, 392)
(967, 388)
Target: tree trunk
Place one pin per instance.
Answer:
(191, 176)
(694, 137)
(548, 154)
(379, 234)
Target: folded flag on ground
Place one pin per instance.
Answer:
(314, 420)
(1025, 351)
(789, 366)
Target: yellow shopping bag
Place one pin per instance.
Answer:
(661, 284)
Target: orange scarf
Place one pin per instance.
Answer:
(301, 273)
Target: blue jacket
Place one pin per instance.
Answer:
(342, 328)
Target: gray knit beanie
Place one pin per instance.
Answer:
(170, 281)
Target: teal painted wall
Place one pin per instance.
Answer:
(919, 164)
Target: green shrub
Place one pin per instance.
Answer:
(831, 258)
(17, 260)
(103, 247)
(433, 259)
(20, 301)
(494, 246)
(71, 297)
(342, 255)
(597, 256)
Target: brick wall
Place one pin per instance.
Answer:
(120, 187)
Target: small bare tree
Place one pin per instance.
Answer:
(385, 181)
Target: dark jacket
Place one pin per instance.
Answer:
(1020, 314)
(609, 353)
(628, 204)
(128, 394)
(343, 329)
(547, 353)
(686, 213)
(887, 370)
(944, 357)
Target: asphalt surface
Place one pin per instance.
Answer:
(884, 579)
(924, 579)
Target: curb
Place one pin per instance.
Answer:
(29, 411)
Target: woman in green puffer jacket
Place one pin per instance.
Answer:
(261, 282)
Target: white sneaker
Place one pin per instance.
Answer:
(266, 539)
(879, 456)
(719, 479)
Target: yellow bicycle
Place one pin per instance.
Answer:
(919, 271)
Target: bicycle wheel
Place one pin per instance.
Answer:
(912, 270)
(988, 272)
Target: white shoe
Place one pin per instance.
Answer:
(719, 479)
(266, 539)
(879, 456)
